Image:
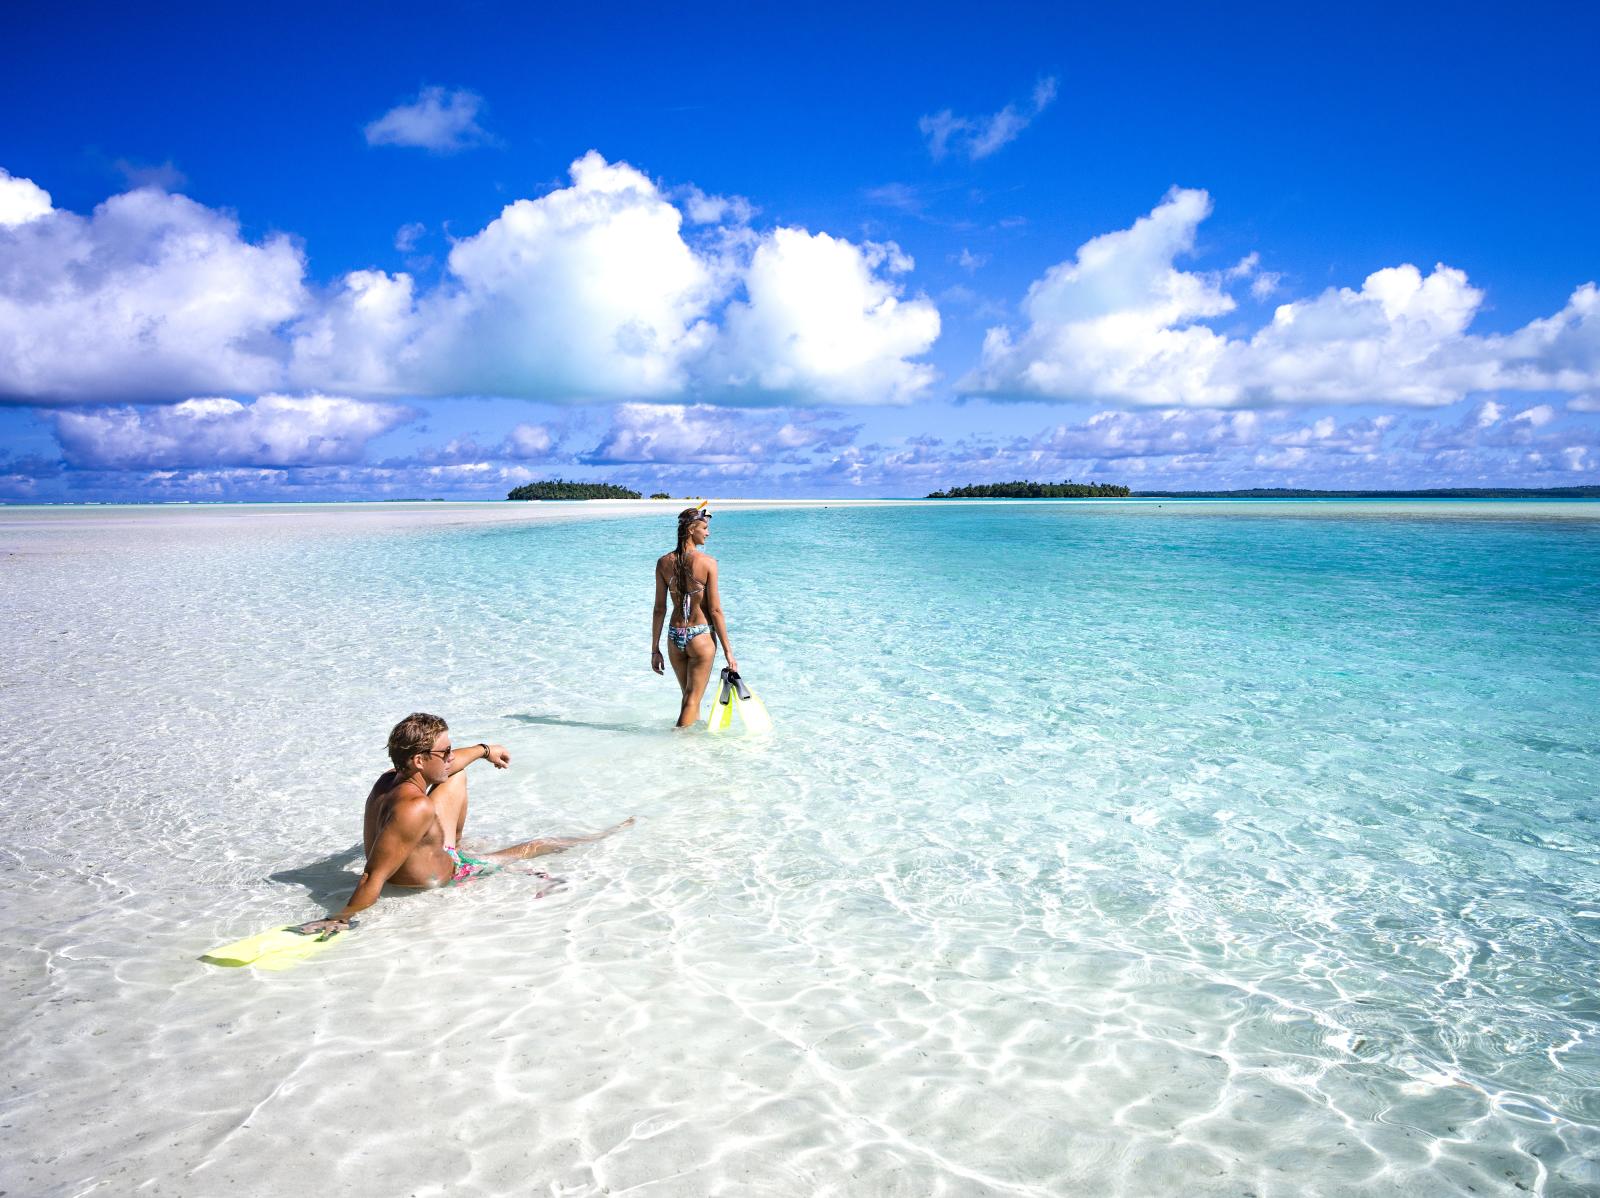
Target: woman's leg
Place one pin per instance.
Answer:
(699, 657)
(680, 665)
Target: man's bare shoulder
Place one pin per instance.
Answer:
(395, 793)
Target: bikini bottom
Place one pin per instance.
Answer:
(682, 636)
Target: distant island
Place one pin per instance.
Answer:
(1027, 490)
(1072, 490)
(561, 489)
(1437, 493)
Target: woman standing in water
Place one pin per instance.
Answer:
(688, 576)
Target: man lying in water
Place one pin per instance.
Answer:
(415, 814)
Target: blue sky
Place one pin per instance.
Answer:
(389, 250)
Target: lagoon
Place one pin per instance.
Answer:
(1102, 847)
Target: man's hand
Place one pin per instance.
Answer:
(498, 757)
(318, 927)
(657, 663)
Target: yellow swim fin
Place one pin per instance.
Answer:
(721, 718)
(736, 706)
(278, 948)
(754, 713)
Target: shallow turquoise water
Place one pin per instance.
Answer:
(1100, 848)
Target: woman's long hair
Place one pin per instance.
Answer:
(683, 569)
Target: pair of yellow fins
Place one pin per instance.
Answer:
(736, 707)
(277, 948)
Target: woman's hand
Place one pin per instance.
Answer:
(732, 665)
(657, 662)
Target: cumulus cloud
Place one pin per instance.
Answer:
(592, 293)
(1202, 449)
(1122, 323)
(529, 442)
(595, 292)
(1117, 322)
(153, 296)
(409, 479)
(1265, 284)
(287, 451)
(706, 435)
(437, 120)
(1488, 426)
(21, 200)
(587, 293)
(272, 431)
(979, 137)
(823, 322)
(703, 209)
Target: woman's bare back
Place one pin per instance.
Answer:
(700, 571)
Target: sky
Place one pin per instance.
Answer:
(390, 251)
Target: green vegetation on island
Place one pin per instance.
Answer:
(661, 495)
(1027, 490)
(561, 489)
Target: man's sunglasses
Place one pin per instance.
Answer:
(444, 754)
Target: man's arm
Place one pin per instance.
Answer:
(406, 827)
(495, 755)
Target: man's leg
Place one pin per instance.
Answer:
(450, 801)
(551, 844)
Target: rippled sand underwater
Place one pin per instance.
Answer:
(1100, 849)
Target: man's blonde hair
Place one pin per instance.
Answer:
(412, 735)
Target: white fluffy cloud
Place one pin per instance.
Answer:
(1122, 323)
(21, 200)
(706, 435)
(272, 431)
(823, 322)
(528, 442)
(592, 293)
(152, 297)
(588, 293)
(703, 209)
(436, 120)
(1117, 322)
(1185, 448)
(978, 137)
